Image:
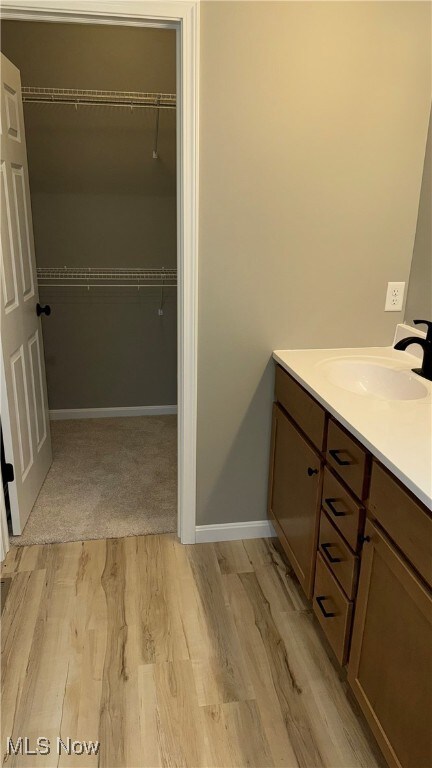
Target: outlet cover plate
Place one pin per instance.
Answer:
(394, 297)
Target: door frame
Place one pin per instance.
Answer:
(4, 534)
(182, 15)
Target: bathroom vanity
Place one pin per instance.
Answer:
(350, 500)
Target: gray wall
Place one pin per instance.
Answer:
(99, 199)
(313, 127)
(419, 297)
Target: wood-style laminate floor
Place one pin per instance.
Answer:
(170, 655)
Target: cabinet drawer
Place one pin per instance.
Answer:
(343, 510)
(333, 610)
(405, 520)
(338, 556)
(348, 458)
(305, 411)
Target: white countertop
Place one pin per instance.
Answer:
(397, 432)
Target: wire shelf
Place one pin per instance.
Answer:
(78, 96)
(116, 277)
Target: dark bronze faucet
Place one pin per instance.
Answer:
(426, 344)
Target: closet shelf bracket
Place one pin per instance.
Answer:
(155, 145)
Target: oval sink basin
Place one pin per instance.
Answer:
(376, 378)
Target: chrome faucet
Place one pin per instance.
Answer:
(426, 344)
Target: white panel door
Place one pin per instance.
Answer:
(24, 404)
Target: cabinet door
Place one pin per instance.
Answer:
(390, 666)
(294, 496)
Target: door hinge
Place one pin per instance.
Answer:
(8, 473)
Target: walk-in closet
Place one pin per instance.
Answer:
(100, 126)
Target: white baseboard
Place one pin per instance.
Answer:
(254, 529)
(111, 413)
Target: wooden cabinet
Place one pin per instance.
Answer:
(324, 488)
(350, 460)
(333, 610)
(406, 521)
(302, 408)
(345, 512)
(342, 562)
(390, 666)
(294, 496)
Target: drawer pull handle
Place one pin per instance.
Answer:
(333, 510)
(311, 471)
(342, 462)
(364, 539)
(326, 614)
(330, 557)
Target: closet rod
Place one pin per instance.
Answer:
(77, 97)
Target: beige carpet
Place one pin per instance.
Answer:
(109, 478)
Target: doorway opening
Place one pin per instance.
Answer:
(105, 217)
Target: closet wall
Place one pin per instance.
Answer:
(99, 199)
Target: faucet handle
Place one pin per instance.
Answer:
(428, 323)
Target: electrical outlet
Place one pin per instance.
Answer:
(394, 297)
